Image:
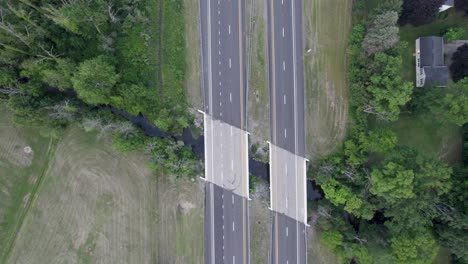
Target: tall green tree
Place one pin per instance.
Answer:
(94, 80)
(388, 92)
(382, 33)
(419, 12)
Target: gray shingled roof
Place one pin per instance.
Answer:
(432, 51)
(437, 76)
(432, 60)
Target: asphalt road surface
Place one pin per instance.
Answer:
(286, 78)
(224, 72)
(226, 161)
(225, 226)
(287, 148)
(289, 238)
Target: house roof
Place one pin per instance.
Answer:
(432, 51)
(432, 60)
(437, 76)
(449, 2)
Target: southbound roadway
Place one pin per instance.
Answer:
(226, 165)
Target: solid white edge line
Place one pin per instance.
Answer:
(271, 172)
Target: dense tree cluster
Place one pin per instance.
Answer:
(375, 82)
(459, 66)
(462, 5)
(108, 53)
(382, 33)
(62, 62)
(419, 12)
(388, 203)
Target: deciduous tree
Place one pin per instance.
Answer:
(419, 12)
(459, 66)
(94, 80)
(382, 33)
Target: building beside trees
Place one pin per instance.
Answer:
(430, 67)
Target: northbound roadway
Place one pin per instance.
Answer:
(287, 146)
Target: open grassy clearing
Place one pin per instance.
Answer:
(19, 173)
(258, 105)
(98, 206)
(327, 25)
(428, 137)
(260, 223)
(192, 45)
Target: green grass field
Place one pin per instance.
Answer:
(420, 132)
(19, 174)
(192, 46)
(99, 206)
(327, 26)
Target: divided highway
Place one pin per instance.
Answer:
(287, 146)
(226, 141)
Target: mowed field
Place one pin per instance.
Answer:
(192, 44)
(327, 26)
(19, 174)
(99, 206)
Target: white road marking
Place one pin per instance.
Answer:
(219, 52)
(219, 83)
(229, 63)
(232, 164)
(219, 73)
(284, 99)
(220, 103)
(282, 2)
(285, 134)
(287, 233)
(230, 97)
(232, 198)
(233, 226)
(229, 27)
(233, 259)
(284, 66)
(283, 32)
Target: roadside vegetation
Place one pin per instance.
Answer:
(126, 54)
(69, 62)
(388, 200)
(327, 28)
